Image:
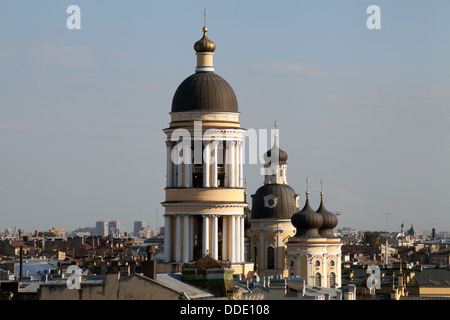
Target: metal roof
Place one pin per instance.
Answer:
(174, 281)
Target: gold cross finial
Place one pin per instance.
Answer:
(275, 124)
(205, 29)
(307, 192)
(321, 183)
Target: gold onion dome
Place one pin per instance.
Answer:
(204, 44)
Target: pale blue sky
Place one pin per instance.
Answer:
(82, 111)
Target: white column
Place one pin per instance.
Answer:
(169, 169)
(180, 174)
(225, 238)
(206, 164)
(191, 238)
(232, 239)
(232, 164)
(186, 238)
(242, 243)
(238, 164)
(175, 173)
(167, 239)
(299, 267)
(241, 164)
(309, 280)
(178, 238)
(215, 237)
(214, 166)
(280, 249)
(238, 238)
(187, 160)
(339, 271)
(324, 270)
(226, 165)
(205, 247)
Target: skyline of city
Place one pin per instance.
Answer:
(366, 110)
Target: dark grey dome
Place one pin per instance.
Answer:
(282, 155)
(307, 222)
(274, 201)
(204, 91)
(330, 221)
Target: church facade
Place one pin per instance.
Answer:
(206, 210)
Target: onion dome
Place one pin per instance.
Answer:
(282, 155)
(330, 220)
(204, 91)
(307, 222)
(204, 44)
(274, 201)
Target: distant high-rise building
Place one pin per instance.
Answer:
(138, 227)
(101, 228)
(114, 228)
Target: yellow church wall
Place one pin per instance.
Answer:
(204, 194)
(269, 229)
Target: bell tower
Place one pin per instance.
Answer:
(204, 195)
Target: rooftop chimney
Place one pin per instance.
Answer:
(149, 266)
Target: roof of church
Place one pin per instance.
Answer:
(204, 91)
(286, 203)
(307, 222)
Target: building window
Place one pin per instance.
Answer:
(318, 280)
(332, 279)
(270, 257)
(332, 263)
(317, 263)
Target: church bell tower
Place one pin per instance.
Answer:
(204, 195)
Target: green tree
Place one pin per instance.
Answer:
(372, 238)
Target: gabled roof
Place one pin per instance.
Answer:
(206, 262)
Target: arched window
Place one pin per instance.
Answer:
(332, 279)
(318, 280)
(270, 257)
